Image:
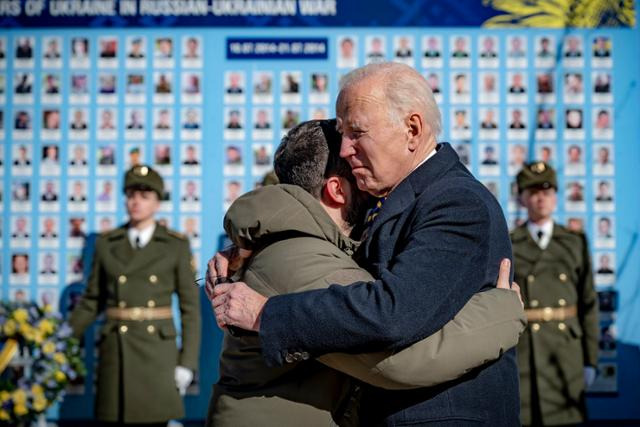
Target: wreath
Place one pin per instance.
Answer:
(38, 358)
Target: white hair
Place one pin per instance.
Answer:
(405, 91)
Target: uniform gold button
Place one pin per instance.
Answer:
(562, 277)
(562, 326)
(151, 303)
(562, 302)
(535, 327)
(123, 329)
(534, 303)
(122, 279)
(547, 313)
(151, 329)
(122, 304)
(153, 278)
(531, 278)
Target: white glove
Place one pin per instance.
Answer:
(589, 375)
(183, 377)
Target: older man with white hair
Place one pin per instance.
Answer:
(435, 238)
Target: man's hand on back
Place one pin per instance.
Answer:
(503, 279)
(236, 304)
(223, 265)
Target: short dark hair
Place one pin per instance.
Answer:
(308, 154)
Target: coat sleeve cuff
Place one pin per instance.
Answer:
(274, 331)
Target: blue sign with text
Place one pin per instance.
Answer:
(277, 48)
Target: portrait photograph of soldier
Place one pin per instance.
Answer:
(191, 47)
(135, 84)
(20, 264)
(79, 47)
(460, 47)
(20, 229)
(107, 84)
(79, 120)
(136, 47)
(190, 155)
(24, 47)
(108, 47)
(234, 120)
(191, 118)
(545, 47)
(51, 48)
(51, 84)
(191, 85)
(78, 155)
(49, 228)
(347, 52)
(262, 83)
(163, 48)
(79, 84)
(21, 156)
(262, 119)
(290, 83)
(235, 83)
(517, 47)
(432, 47)
(23, 84)
(375, 49)
(20, 191)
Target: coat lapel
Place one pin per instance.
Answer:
(416, 183)
(152, 252)
(530, 251)
(121, 248)
(558, 241)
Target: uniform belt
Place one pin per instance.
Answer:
(548, 314)
(139, 313)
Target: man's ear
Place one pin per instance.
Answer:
(415, 128)
(333, 192)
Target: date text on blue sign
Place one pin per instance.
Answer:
(277, 48)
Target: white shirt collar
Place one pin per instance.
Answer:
(430, 155)
(547, 230)
(144, 235)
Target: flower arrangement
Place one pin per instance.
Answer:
(38, 358)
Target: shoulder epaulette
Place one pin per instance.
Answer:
(176, 234)
(577, 232)
(518, 233)
(572, 234)
(113, 234)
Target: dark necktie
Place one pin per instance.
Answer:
(540, 235)
(138, 243)
(373, 213)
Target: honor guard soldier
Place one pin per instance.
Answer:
(558, 351)
(136, 270)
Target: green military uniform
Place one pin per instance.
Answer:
(137, 345)
(562, 308)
